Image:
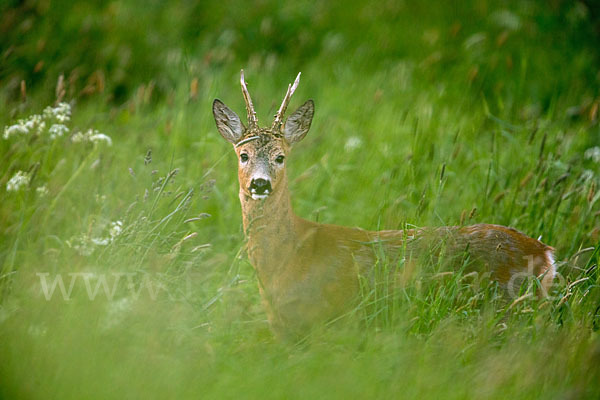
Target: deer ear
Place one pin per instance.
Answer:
(228, 123)
(298, 124)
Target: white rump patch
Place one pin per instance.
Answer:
(550, 262)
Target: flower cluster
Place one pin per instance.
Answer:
(86, 244)
(36, 124)
(60, 113)
(18, 181)
(54, 120)
(33, 125)
(116, 228)
(42, 190)
(21, 180)
(91, 136)
(57, 130)
(53, 123)
(593, 153)
(353, 143)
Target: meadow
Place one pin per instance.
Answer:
(123, 266)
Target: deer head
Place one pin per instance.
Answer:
(262, 151)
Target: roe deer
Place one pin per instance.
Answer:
(309, 272)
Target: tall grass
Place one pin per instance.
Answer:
(425, 116)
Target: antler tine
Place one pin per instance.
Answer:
(252, 120)
(286, 100)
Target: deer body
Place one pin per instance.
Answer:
(309, 272)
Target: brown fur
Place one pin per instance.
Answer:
(309, 272)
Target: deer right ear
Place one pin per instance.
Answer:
(298, 124)
(228, 123)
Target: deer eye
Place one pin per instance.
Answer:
(244, 157)
(279, 159)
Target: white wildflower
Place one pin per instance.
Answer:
(100, 137)
(78, 137)
(593, 153)
(91, 136)
(100, 241)
(116, 228)
(18, 181)
(35, 124)
(81, 245)
(13, 130)
(353, 143)
(57, 130)
(42, 190)
(61, 113)
(85, 244)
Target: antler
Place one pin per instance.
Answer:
(286, 100)
(252, 120)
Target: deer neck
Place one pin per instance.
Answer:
(269, 226)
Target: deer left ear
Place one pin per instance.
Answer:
(228, 123)
(298, 124)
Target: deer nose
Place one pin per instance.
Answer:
(260, 186)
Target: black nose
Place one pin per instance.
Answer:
(260, 186)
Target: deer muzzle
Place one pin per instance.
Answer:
(260, 188)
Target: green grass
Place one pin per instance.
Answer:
(424, 115)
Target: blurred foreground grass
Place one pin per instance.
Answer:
(487, 112)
